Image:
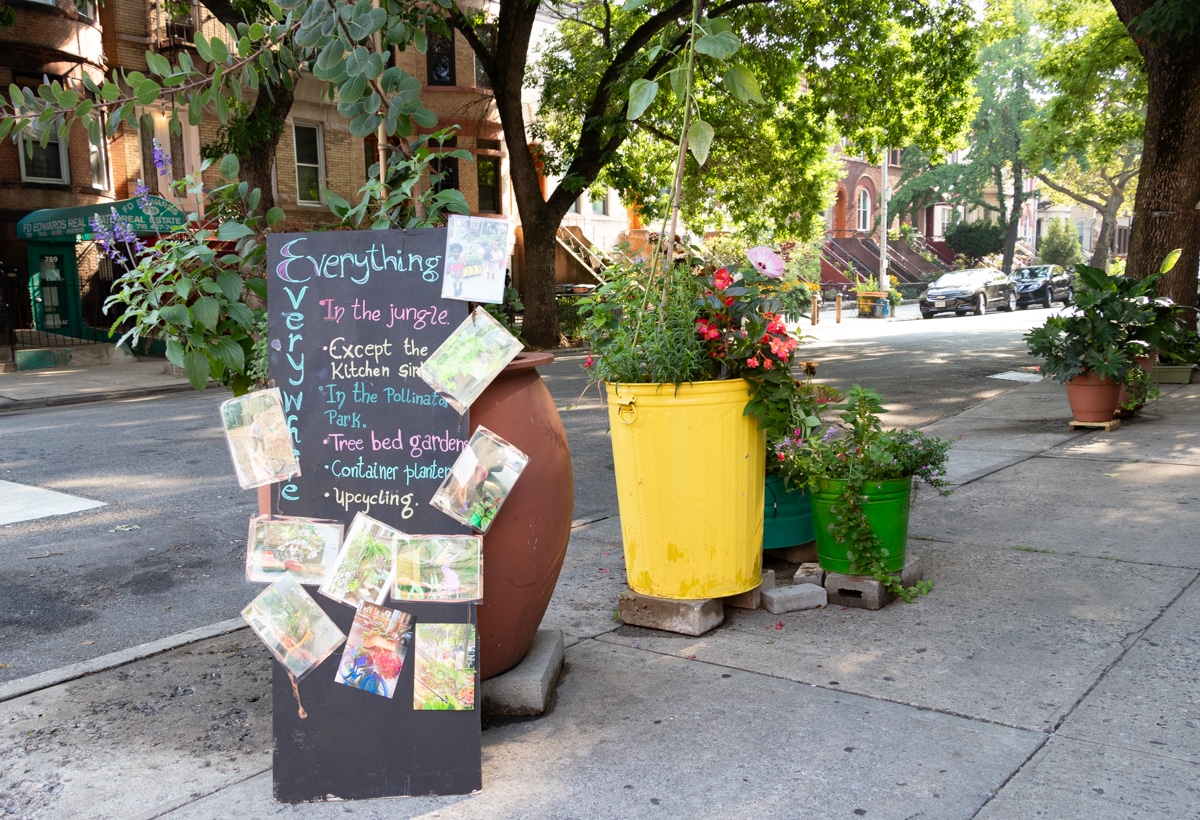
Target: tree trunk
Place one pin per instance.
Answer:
(1165, 215)
(1104, 241)
(272, 105)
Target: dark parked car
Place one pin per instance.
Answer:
(1042, 285)
(964, 291)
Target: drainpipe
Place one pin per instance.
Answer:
(884, 283)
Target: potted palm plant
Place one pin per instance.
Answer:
(861, 478)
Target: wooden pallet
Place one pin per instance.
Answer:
(1106, 426)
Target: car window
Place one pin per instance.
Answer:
(957, 278)
(1026, 274)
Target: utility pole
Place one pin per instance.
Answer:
(884, 282)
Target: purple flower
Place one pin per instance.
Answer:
(767, 261)
(142, 194)
(162, 161)
(117, 237)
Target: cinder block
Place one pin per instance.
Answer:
(797, 555)
(864, 592)
(810, 574)
(750, 599)
(525, 689)
(685, 617)
(768, 581)
(795, 597)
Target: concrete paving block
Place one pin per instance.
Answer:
(685, 617)
(751, 599)
(525, 689)
(768, 581)
(864, 592)
(797, 555)
(810, 573)
(793, 598)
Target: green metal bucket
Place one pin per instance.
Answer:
(787, 515)
(886, 507)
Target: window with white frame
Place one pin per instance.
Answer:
(45, 163)
(600, 204)
(98, 160)
(864, 209)
(1084, 231)
(310, 163)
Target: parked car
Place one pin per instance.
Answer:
(1042, 285)
(964, 291)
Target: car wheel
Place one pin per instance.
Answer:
(1048, 299)
(1010, 304)
(1068, 297)
(926, 314)
(980, 304)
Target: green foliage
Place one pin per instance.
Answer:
(975, 240)
(1116, 319)
(201, 289)
(245, 130)
(1059, 245)
(857, 449)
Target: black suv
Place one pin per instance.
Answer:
(1042, 285)
(964, 291)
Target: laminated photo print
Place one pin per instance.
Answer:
(302, 547)
(477, 250)
(444, 676)
(375, 649)
(482, 477)
(438, 568)
(293, 626)
(259, 440)
(362, 571)
(470, 358)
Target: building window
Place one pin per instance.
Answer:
(486, 33)
(98, 159)
(446, 168)
(600, 204)
(574, 206)
(309, 164)
(864, 209)
(489, 184)
(439, 59)
(44, 164)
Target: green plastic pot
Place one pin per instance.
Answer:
(787, 515)
(886, 505)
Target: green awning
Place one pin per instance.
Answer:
(157, 216)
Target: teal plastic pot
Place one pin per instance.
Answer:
(886, 506)
(787, 515)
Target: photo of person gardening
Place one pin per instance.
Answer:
(259, 440)
(480, 480)
(477, 250)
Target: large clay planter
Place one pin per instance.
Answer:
(1093, 398)
(689, 468)
(524, 548)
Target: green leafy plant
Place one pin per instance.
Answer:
(201, 289)
(857, 450)
(1116, 319)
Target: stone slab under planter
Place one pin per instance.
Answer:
(864, 592)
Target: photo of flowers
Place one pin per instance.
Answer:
(438, 568)
(362, 571)
(444, 678)
(259, 440)
(476, 258)
(482, 477)
(293, 626)
(467, 362)
(375, 650)
(301, 547)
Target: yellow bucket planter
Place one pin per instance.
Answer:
(689, 468)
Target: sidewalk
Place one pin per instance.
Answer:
(1054, 670)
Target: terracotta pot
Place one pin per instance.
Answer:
(1145, 363)
(524, 548)
(1093, 398)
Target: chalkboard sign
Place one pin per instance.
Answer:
(352, 316)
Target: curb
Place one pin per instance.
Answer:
(89, 398)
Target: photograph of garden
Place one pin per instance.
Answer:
(362, 571)
(293, 626)
(467, 362)
(301, 547)
(444, 678)
(375, 650)
(438, 568)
